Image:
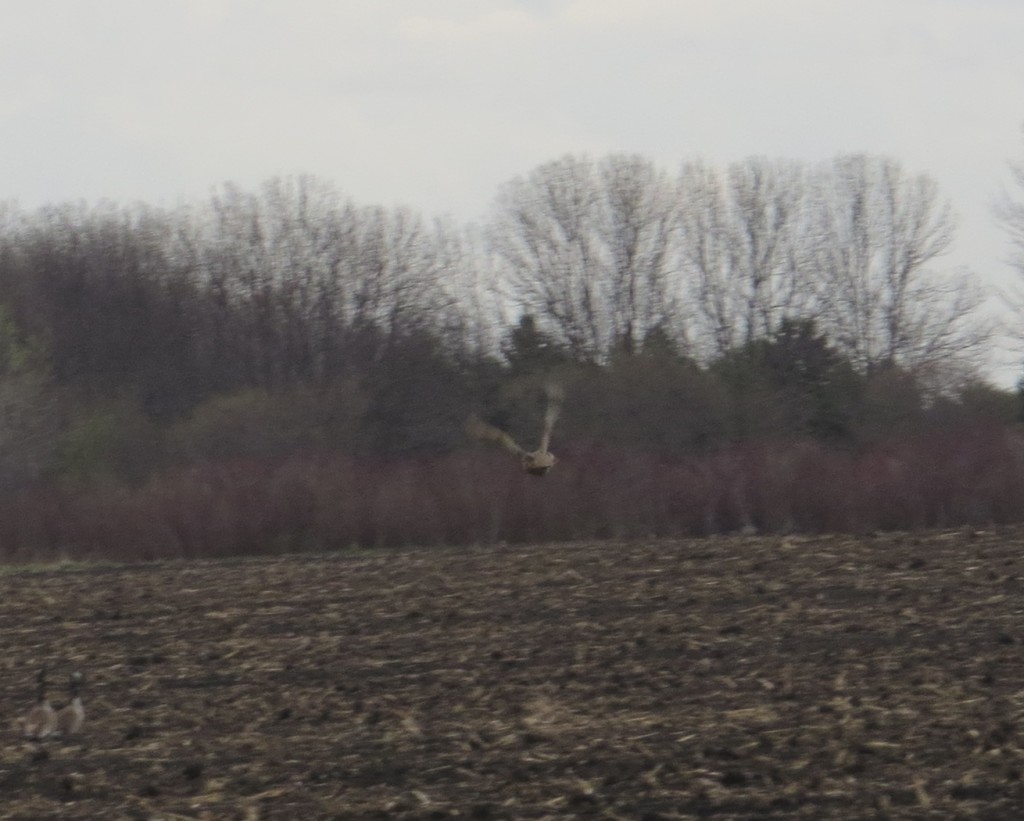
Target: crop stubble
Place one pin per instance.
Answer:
(747, 677)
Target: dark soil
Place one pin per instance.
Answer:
(755, 678)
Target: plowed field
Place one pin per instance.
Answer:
(824, 677)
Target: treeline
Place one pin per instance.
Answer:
(686, 318)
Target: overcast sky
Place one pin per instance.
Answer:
(434, 103)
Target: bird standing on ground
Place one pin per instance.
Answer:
(71, 716)
(41, 720)
(537, 462)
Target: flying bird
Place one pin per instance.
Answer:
(536, 462)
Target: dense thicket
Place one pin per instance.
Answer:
(685, 317)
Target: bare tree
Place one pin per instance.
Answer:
(29, 418)
(473, 315)
(269, 262)
(1010, 213)
(394, 271)
(94, 286)
(876, 235)
(638, 229)
(588, 250)
(307, 283)
(742, 236)
(546, 235)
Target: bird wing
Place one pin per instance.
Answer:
(555, 396)
(477, 428)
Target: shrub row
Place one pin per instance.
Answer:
(478, 496)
